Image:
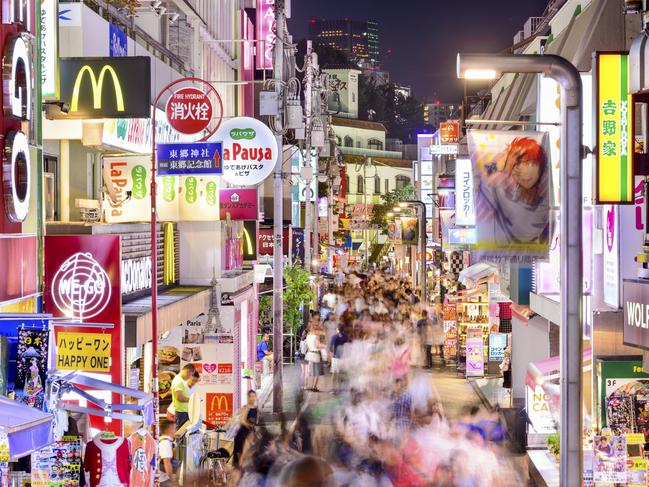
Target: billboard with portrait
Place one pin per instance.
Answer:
(512, 192)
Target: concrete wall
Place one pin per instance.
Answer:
(530, 343)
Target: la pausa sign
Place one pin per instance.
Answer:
(250, 151)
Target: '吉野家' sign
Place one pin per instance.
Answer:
(189, 158)
(464, 207)
(249, 151)
(614, 137)
(89, 352)
(112, 87)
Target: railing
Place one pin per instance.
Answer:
(359, 151)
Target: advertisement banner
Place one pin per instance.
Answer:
(410, 230)
(219, 408)
(266, 241)
(635, 306)
(117, 41)
(189, 158)
(637, 474)
(49, 49)
(89, 352)
(497, 346)
(239, 203)
(512, 192)
(611, 216)
(249, 151)
(82, 283)
(266, 34)
(609, 463)
(31, 366)
(58, 465)
(537, 405)
(464, 203)
(474, 353)
(449, 132)
(614, 137)
(297, 244)
(127, 183)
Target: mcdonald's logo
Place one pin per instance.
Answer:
(221, 402)
(118, 87)
(219, 407)
(97, 85)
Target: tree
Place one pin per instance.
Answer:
(389, 201)
(297, 294)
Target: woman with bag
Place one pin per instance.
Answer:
(248, 417)
(314, 355)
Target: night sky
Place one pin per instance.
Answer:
(425, 35)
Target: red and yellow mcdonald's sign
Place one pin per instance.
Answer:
(219, 407)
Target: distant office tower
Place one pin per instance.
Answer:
(437, 112)
(358, 39)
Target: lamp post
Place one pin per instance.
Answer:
(490, 66)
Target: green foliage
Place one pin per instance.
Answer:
(553, 444)
(129, 5)
(265, 311)
(389, 201)
(297, 293)
(402, 116)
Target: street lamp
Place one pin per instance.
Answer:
(489, 66)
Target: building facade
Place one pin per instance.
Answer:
(359, 40)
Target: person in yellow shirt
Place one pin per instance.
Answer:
(180, 386)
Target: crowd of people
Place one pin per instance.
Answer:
(377, 419)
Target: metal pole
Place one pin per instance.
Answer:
(278, 213)
(308, 112)
(571, 333)
(330, 230)
(154, 286)
(365, 223)
(316, 221)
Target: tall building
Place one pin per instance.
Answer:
(359, 39)
(438, 112)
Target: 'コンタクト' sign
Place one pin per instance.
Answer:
(89, 352)
(189, 158)
(189, 110)
(249, 151)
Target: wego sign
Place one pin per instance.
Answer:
(80, 288)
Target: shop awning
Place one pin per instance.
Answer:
(27, 429)
(470, 276)
(546, 371)
(175, 306)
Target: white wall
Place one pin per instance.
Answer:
(200, 252)
(530, 343)
(359, 135)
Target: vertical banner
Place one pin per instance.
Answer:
(474, 352)
(611, 278)
(31, 366)
(265, 33)
(609, 463)
(464, 202)
(511, 179)
(614, 134)
(49, 49)
(409, 230)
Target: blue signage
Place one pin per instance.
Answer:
(117, 41)
(497, 346)
(189, 158)
(298, 244)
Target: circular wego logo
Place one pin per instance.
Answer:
(81, 288)
(189, 110)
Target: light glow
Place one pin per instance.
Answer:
(475, 73)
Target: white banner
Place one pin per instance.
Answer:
(464, 202)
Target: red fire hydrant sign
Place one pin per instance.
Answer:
(189, 110)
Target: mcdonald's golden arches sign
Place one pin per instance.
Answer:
(111, 87)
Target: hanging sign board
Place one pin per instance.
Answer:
(249, 151)
(614, 136)
(441, 150)
(449, 132)
(89, 352)
(189, 158)
(464, 203)
(189, 110)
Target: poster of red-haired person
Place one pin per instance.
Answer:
(512, 192)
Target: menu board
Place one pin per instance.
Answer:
(58, 465)
(474, 352)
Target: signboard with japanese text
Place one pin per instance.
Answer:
(266, 34)
(609, 462)
(635, 304)
(497, 346)
(31, 366)
(474, 353)
(240, 204)
(441, 150)
(189, 110)
(449, 132)
(189, 158)
(511, 181)
(266, 242)
(219, 408)
(89, 352)
(82, 283)
(249, 151)
(464, 206)
(117, 87)
(614, 129)
(49, 49)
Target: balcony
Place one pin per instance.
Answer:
(356, 151)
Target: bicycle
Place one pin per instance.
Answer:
(215, 458)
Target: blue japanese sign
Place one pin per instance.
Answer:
(189, 158)
(117, 41)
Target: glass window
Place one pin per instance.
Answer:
(402, 181)
(349, 142)
(387, 186)
(377, 185)
(375, 144)
(360, 184)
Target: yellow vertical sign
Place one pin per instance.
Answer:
(614, 130)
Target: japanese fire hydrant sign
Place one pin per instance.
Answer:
(89, 352)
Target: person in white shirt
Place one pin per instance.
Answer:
(166, 454)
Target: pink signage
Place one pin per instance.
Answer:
(549, 272)
(241, 204)
(265, 33)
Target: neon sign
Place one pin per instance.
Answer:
(97, 88)
(81, 288)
